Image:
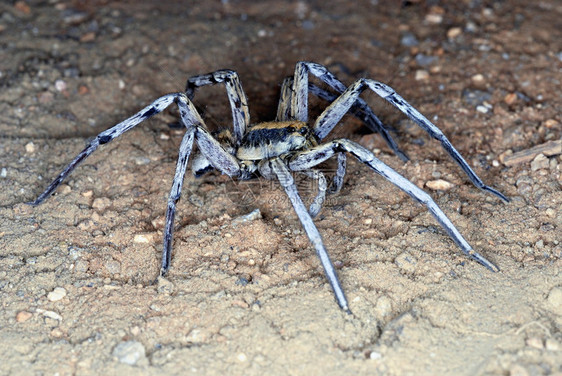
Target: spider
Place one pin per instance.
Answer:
(288, 144)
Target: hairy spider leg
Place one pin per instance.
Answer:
(318, 201)
(335, 111)
(364, 113)
(235, 93)
(210, 148)
(360, 109)
(337, 181)
(284, 105)
(301, 87)
(175, 194)
(288, 184)
(191, 119)
(307, 159)
(106, 136)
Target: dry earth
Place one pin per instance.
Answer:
(76, 273)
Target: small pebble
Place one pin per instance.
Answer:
(3, 172)
(551, 123)
(143, 238)
(454, 32)
(552, 345)
(433, 18)
(409, 40)
(439, 185)
(101, 203)
(421, 75)
(482, 109)
(510, 98)
(242, 357)
(30, 147)
(375, 355)
(57, 294)
(50, 314)
(535, 342)
(540, 162)
(60, 85)
(129, 352)
(252, 216)
(23, 316)
(478, 79)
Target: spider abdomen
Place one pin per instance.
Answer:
(272, 139)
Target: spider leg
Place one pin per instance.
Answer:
(211, 149)
(337, 181)
(308, 159)
(236, 97)
(335, 111)
(286, 180)
(301, 88)
(364, 113)
(318, 201)
(106, 136)
(185, 150)
(284, 106)
(360, 109)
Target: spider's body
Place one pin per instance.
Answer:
(289, 143)
(272, 139)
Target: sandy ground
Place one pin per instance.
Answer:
(76, 273)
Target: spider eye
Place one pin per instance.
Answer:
(291, 129)
(303, 130)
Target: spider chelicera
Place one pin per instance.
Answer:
(289, 143)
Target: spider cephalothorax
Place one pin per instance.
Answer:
(290, 143)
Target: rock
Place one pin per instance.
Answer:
(22, 316)
(30, 147)
(454, 32)
(57, 294)
(422, 75)
(540, 162)
(130, 352)
(439, 185)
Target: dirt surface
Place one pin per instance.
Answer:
(77, 272)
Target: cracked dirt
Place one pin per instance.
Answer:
(77, 273)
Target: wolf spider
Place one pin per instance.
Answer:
(289, 143)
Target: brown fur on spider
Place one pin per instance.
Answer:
(289, 143)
